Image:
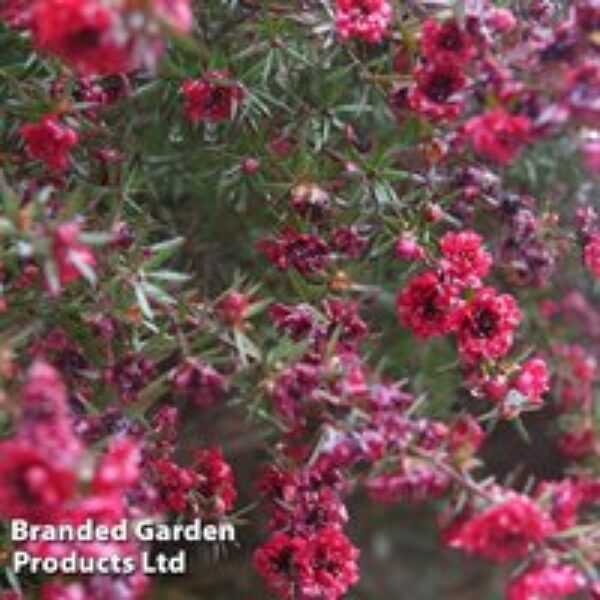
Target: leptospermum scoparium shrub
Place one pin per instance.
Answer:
(366, 231)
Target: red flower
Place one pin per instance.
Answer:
(545, 582)
(349, 241)
(330, 565)
(412, 482)
(436, 94)
(119, 467)
(175, 485)
(464, 258)
(83, 33)
(425, 305)
(46, 420)
(216, 487)
(49, 141)
(485, 325)
(73, 258)
(214, 98)
(532, 380)
(505, 531)
(204, 384)
(232, 308)
(296, 321)
(498, 135)
(445, 41)
(366, 19)
(591, 255)
(30, 486)
(577, 443)
(407, 248)
(206, 488)
(278, 561)
(465, 436)
(562, 500)
(306, 252)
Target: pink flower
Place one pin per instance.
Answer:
(119, 467)
(32, 487)
(591, 255)
(577, 443)
(464, 259)
(175, 13)
(201, 382)
(365, 19)
(501, 20)
(465, 436)
(505, 531)
(498, 135)
(485, 325)
(296, 321)
(412, 482)
(46, 420)
(216, 489)
(407, 248)
(83, 33)
(213, 98)
(532, 380)
(49, 141)
(445, 41)
(73, 257)
(436, 93)
(545, 582)
(424, 305)
(306, 252)
(232, 308)
(207, 488)
(330, 565)
(278, 561)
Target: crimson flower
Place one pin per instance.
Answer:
(278, 561)
(365, 19)
(425, 305)
(31, 487)
(545, 582)
(119, 467)
(213, 98)
(216, 485)
(498, 135)
(49, 141)
(532, 379)
(306, 252)
(505, 531)
(445, 41)
(464, 258)
(485, 325)
(436, 94)
(330, 565)
(83, 33)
